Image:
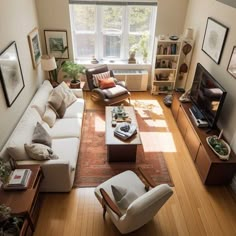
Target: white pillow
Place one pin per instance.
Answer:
(49, 116)
(66, 93)
(123, 197)
(39, 152)
(40, 99)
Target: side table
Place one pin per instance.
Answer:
(25, 203)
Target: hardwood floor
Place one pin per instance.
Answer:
(194, 209)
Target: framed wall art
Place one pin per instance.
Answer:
(35, 49)
(10, 73)
(232, 63)
(56, 43)
(214, 39)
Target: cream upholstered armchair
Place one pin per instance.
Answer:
(129, 202)
(104, 87)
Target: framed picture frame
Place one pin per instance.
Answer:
(35, 48)
(10, 73)
(56, 43)
(214, 39)
(232, 63)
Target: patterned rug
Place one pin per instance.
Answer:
(93, 167)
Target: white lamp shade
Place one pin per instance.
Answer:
(48, 63)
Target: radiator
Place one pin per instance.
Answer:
(135, 80)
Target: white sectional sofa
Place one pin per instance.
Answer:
(65, 133)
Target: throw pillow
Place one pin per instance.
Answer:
(123, 197)
(96, 77)
(106, 83)
(56, 102)
(67, 93)
(40, 152)
(40, 135)
(49, 116)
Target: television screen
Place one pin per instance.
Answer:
(207, 94)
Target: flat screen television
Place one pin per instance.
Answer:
(207, 95)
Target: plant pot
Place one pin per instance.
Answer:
(75, 84)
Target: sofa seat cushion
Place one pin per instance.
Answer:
(75, 110)
(67, 149)
(66, 127)
(22, 134)
(41, 97)
(115, 91)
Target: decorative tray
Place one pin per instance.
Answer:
(219, 147)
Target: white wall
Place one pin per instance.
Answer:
(171, 17)
(17, 19)
(198, 11)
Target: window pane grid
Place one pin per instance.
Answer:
(109, 32)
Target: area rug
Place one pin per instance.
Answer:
(93, 167)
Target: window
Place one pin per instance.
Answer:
(109, 31)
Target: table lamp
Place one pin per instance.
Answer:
(48, 63)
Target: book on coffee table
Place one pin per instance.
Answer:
(125, 130)
(19, 179)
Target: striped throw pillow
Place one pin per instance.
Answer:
(96, 78)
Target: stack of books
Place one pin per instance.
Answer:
(19, 179)
(125, 130)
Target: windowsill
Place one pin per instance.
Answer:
(117, 64)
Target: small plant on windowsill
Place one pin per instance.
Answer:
(73, 71)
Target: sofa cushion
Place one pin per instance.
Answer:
(66, 127)
(57, 103)
(103, 75)
(40, 99)
(40, 152)
(69, 96)
(115, 91)
(40, 135)
(75, 110)
(23, 134)
(49, 116)
(67, 149)
(123, 196)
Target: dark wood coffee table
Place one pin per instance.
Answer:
(117, 149)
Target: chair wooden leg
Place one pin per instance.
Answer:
(104, 209)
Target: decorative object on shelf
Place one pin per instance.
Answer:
(186, 49)
(35, 49)
(219, 146)
(232, 63)
(214, 39)
(56, 42)
(48, 63)
(73, 71)
(94, 60)
(11, 74)
(173, 37)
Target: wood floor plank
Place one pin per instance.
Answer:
(194, 209)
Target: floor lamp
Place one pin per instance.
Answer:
(48, 63)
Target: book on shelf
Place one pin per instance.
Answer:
(19, 179)
(125, 130)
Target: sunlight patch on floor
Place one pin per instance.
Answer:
(157, 142)
(99, 124)
(156, 123)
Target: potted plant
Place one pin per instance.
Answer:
(73, 71)
(5, 171)
(9, 225)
